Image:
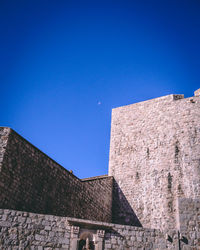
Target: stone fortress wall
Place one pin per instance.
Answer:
(31, 181)
(23, 230)
(155, 157)
(150, 200)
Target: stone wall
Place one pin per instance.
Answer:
(154, 158)
(31, 181)
(22, 230)
(189, 222)
(122, 212)
(3, 143)
(102, 187)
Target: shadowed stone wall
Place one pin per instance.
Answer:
(4, 133)
(189, 222)
(31, 181)
(101, 187)
(155, 158)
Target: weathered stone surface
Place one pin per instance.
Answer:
(154, 158)
(116, 236)
(189, 221)
(43, 186)
(197, 92)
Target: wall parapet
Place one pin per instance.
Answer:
(37, 231)
(19, 229)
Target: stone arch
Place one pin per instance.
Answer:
(82, 241)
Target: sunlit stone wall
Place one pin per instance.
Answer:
(155, 158)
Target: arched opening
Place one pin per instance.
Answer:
(86, 241)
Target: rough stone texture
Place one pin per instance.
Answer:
(154, 158)
(22, 230)
(122, 212)
(189, 222)
(197, 92)
(3, 143)
(31, 181)
(155, 162)
(101, 187)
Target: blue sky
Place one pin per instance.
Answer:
(65, 64)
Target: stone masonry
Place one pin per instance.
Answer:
(31, 181)
(149, 200)
(155, 158)
(189, 221)
(22, 230)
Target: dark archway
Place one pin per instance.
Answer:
(83, 244)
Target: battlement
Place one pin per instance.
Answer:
(166, 98)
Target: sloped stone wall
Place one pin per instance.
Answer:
(4, 132)
(31, 181)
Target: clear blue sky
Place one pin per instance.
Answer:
(65, 64)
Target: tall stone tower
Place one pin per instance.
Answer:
(155, 158)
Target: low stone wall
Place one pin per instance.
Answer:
(23, 230)
(31, 181)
